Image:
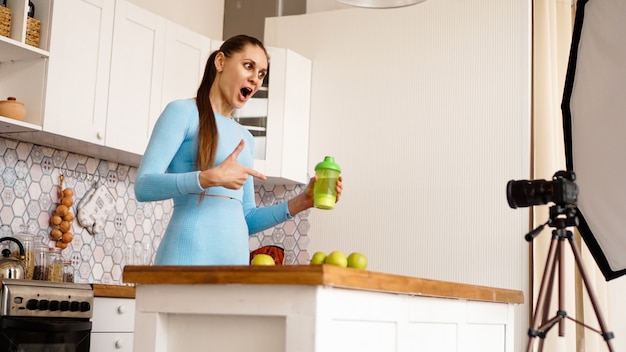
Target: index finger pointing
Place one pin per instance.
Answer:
(257, 174)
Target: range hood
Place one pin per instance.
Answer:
(248, 16)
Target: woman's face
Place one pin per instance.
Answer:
(240, 76)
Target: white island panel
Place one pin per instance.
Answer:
(306, 318)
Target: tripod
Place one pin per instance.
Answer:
(561, 217)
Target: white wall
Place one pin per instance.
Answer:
(427, 110)
(203, 16)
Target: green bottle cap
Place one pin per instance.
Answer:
(328, 163)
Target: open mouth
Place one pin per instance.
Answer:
(245, 92)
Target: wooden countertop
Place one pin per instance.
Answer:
(324, 275)
(113, 291)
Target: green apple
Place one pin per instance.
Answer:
(336, 258)
(357, 260)
(318, 258)
(262, 259)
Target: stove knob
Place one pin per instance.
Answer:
(85, 306)
(65, 306)
(32, 304)
(43, 304)
(54, 305)
(74, 306)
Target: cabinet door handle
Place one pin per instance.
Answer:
(100, 135)
(121, 309)
(119, 344)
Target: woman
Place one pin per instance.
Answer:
(202, 159)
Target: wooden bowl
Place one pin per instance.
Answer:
(13, 109)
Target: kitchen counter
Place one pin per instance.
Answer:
(113, 291)
(311, 275)
(314, 308)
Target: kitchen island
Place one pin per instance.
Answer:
(312, 308)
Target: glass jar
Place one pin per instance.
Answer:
(28, 241)
(68, 271)
(42, 263)
(56, 265)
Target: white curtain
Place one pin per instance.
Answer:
(552, 33)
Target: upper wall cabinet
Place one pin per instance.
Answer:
(136, 77)
(288, 110)
(100, 77)
(186, 53)
(23, 58)
(154, 62)
(78, 69)
(133, 61)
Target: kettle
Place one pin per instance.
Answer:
(11, 267)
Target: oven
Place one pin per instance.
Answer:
(42, 316)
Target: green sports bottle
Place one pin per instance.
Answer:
(325, 188)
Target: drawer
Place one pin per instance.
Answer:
(113, 314)
(111, 342)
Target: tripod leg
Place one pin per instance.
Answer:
(561, 311)
(545, 321)
(545, 283)
(607, 335)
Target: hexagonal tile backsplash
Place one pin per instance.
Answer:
(29, 185)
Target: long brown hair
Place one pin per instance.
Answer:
(207, 129)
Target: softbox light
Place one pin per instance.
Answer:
(594, 123)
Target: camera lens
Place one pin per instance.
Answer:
(525, 193)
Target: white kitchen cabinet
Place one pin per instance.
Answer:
(141, 60)
(136, 77)
(186, 53)
(288, 109)
(100, 91)
(78, 69)
(112, 324)
(23, 67)
(154, 62)
(145, 59)
(113, 67)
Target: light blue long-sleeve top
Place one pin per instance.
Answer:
(214, 231)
